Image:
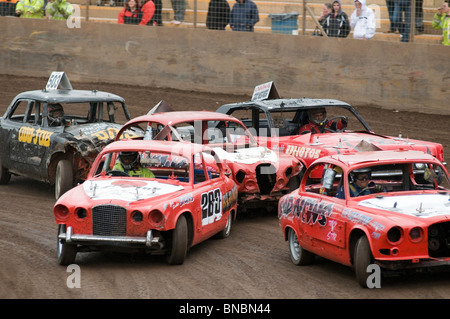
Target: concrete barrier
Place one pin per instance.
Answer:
(387, 74)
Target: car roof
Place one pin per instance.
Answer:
(67, 96)
(178, 148)
(183, 116)
(285, 104)
(382, 157)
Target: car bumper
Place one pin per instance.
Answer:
(413, 263)
(149, 241)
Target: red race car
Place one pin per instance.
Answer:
(262, 176)
(157, 197)
(389, 208)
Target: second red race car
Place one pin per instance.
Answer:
(262, 175)
(372, 208)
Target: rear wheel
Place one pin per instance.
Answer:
(66, 253)
(224, 233)
(299, 256)
(64, 178)
(178, 249)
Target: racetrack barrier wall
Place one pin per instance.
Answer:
(400, 76)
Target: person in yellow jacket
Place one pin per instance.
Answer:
(59, 10)
(30, 8)
(441, 20)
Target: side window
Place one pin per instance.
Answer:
(199, 169)
(324, 179)
(19, 112)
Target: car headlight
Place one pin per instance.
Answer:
(395, 235)
(61, 212)
(416, 234)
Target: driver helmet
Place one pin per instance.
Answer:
(318, 116)
(355, 173)
(129, 160)
(55, 110)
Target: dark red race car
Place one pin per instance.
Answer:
(262, 176)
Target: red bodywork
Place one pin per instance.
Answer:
(261, 175)
(407, 225)
(149, 207)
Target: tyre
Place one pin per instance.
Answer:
(64, 178)
(179, 245)
(362, 259)
(224, 233)
(299, 256)
(5, 175)
(66, 253)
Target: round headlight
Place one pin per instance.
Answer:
(156, 218)
(61, 212)
(416, 234)
(137, 216)
(81, 213)
(394, 235)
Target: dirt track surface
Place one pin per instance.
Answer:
(252, 263)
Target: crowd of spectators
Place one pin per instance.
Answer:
(243, 15)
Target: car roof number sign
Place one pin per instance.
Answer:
(58, 79)
(265, 91)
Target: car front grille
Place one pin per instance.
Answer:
(109, 220)
(439, 240)
(266, 176)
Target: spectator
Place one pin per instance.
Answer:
(326, 10)
(362, 21)
(129, 163)
(403, 7)
(30, 9)
(157, 16)
(244, 16)
(8, 7)
(147, 9)
(218, 15)
(179, 8)
(58, 10)
(390, 5)
(318, 123)
(336, 24)
(131, 13)
(419, 17)
(441, 20)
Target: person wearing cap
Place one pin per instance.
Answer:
(59, 10)
(129, 163)
(360, 184)
(362, 21)
(30, 9)
(318, 123)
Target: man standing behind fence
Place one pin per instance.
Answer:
(244, 16)
(218, 15)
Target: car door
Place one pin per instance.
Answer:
(22, 133)
(321, 211)
(211, 187)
